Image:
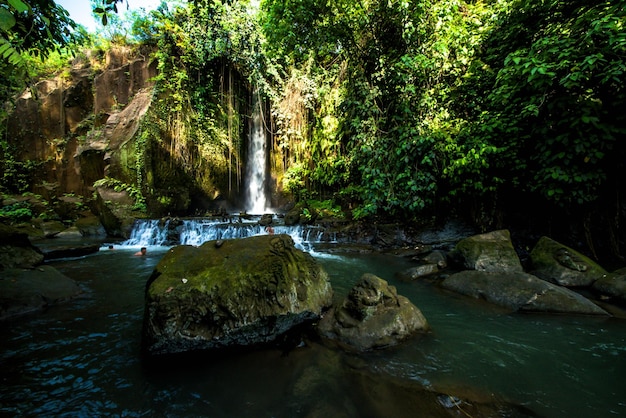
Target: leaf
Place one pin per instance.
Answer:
(19, 5)
(10, 53)
(7, 20)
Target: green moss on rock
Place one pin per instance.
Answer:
(233, 292)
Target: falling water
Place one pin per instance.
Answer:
(256, 199)
(148, 232)
(151, 233)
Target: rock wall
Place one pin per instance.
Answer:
(54, 122)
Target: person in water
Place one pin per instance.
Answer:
(141, 252)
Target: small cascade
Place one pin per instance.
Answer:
(256, 193)
(198, 231)
(195, 232)
(148, 233)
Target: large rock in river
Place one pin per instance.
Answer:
(16, 249)
(492, 251)
(520, 291)
(373, 315)
(238, 292)
(562, 265)
(24, 291)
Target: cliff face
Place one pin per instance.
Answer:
(104, 118)
(59, 123)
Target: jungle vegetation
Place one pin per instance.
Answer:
(395, 108)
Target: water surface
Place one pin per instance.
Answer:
(83, 358)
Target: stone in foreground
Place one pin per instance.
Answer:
(372, 316)
(24, 291)
(612, 287)
(520, 291)
(492, 251)
(241, 292)
(557, 263)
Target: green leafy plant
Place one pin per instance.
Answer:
(17, 212)
(118, 186)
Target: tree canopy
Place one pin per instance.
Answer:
(399, 108)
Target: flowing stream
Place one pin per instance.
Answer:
(83, 358)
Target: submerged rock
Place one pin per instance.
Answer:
(373, 315)
(520, 291)
(556, 263)
(418, 272)
(243, 292)
(24, 291)
(70, 251)
(492, 251)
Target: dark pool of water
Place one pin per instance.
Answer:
(83, 358)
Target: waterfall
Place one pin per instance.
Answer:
(256, 196)
(148, 233)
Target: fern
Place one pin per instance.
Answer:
(9, 53)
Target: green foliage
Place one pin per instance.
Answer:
(29, 29)
(325, 208)
(119, 186)
(554, 90)
(395, 106)
(420, 103)
(15, 213)
(294, 181)
(17, 176)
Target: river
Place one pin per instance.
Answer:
(83, 358)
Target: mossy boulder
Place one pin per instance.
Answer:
(519, 291)
(492, 251)
(372, 316)
(557, 263)
(240, 292)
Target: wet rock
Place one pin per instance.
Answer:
(90, 226)
(266, 219)
(16, 249)
(24, 291)
(50, 228)
(116, 211)
(373, 315)
(557, 263)
(492, 251)
(243, 293)
(413, 252)
(69, 251)
(520, 291)
(436, 257)
(415, 273)
(389, 236)
(71, 232)
(612, 287)
(292, 217)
